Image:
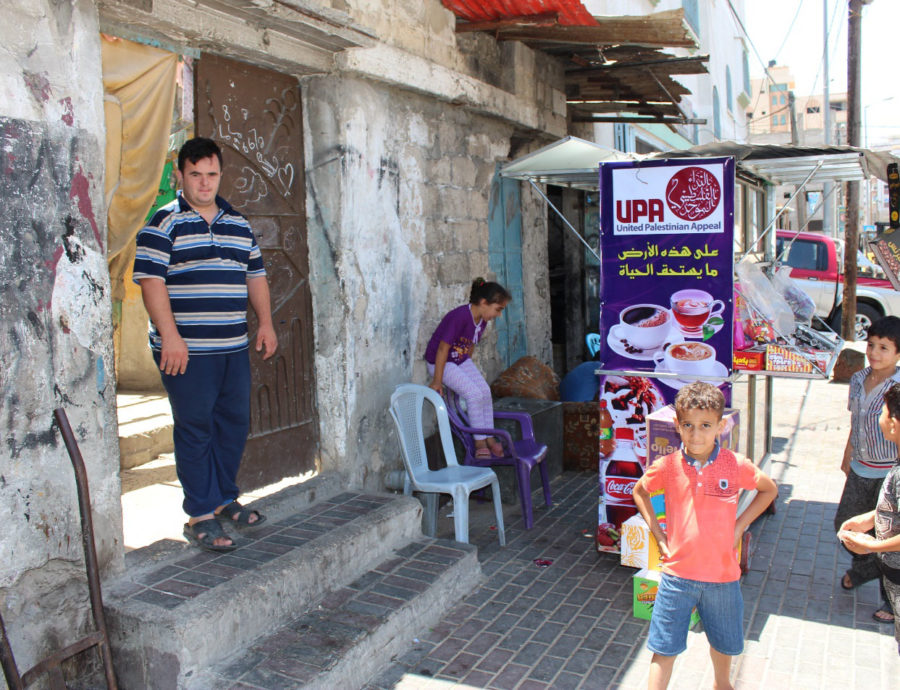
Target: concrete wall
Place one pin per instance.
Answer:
(402, 141)
(398, 191)
(55, 341)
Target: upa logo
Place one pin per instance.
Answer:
(633, 210)
(693, 193)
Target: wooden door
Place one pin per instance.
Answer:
(255, 116)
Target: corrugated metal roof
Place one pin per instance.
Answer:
(571, 12)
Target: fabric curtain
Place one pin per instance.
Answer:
(139, 85)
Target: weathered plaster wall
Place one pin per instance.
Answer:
(398, 189)
(55, 338)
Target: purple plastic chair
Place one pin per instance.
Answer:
(522, 455)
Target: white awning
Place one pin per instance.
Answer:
(569, 162)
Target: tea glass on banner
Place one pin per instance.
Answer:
(693, 308)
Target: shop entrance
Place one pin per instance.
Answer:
(255, 116)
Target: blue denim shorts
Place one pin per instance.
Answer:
(721, 609)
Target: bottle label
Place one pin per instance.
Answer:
(606, 434)
(618, 488)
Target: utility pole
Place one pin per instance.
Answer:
(851, 233)
(828, 205)
(795, 141)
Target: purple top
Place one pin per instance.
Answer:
(457, 328)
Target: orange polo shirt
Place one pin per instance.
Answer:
(701, 509)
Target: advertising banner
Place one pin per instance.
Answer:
(666, 304)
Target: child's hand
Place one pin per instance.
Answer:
(854, 524)
(857, 542)
(663, 547)
(437, 386)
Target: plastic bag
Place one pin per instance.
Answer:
(800, 303)
(762, 296)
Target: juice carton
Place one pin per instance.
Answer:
(645, 585)
(639, 546)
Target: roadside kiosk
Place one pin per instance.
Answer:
(674, 226)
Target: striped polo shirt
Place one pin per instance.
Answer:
(872, 454)
(205, 267)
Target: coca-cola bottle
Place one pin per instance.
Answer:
(624, 461)
(607, 441)
(619, 475)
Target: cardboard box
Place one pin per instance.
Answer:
(748, 360)
(662, 437)
(644, 587)
(780, 358)
(639, 547)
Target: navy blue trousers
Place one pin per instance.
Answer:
(211, 411)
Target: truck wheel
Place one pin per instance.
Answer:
(865, 317)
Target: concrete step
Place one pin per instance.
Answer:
(356, 630)
(145, 428)
(178, 610)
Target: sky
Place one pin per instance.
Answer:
(798, 43)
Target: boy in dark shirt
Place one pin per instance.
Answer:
(886, 516)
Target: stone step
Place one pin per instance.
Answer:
(145, 428)
(355, 631)
(178, 610)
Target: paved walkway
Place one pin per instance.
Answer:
(569, 624)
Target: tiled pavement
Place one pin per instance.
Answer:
(569, 624)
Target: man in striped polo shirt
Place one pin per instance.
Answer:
(198, 264)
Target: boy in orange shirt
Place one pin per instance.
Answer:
(700, 569)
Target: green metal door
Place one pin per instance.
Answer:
(505, 259)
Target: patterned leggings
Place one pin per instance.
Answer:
(468, 382)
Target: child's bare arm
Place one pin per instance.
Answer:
(845, 462)
(766, 491)
(642, 500)
(440, 361)
(861, 542)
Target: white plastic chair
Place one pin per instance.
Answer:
(407, 404)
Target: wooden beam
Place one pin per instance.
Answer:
(637, 120)
(681, 63)
(660, 30)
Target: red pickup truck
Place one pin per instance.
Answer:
(817, 263)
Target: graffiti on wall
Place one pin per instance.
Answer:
(54, 309)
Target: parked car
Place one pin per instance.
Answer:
(817, 263)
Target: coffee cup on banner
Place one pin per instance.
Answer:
(643, 325)
(688, 359)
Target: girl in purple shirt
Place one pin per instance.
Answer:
(449, 357)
